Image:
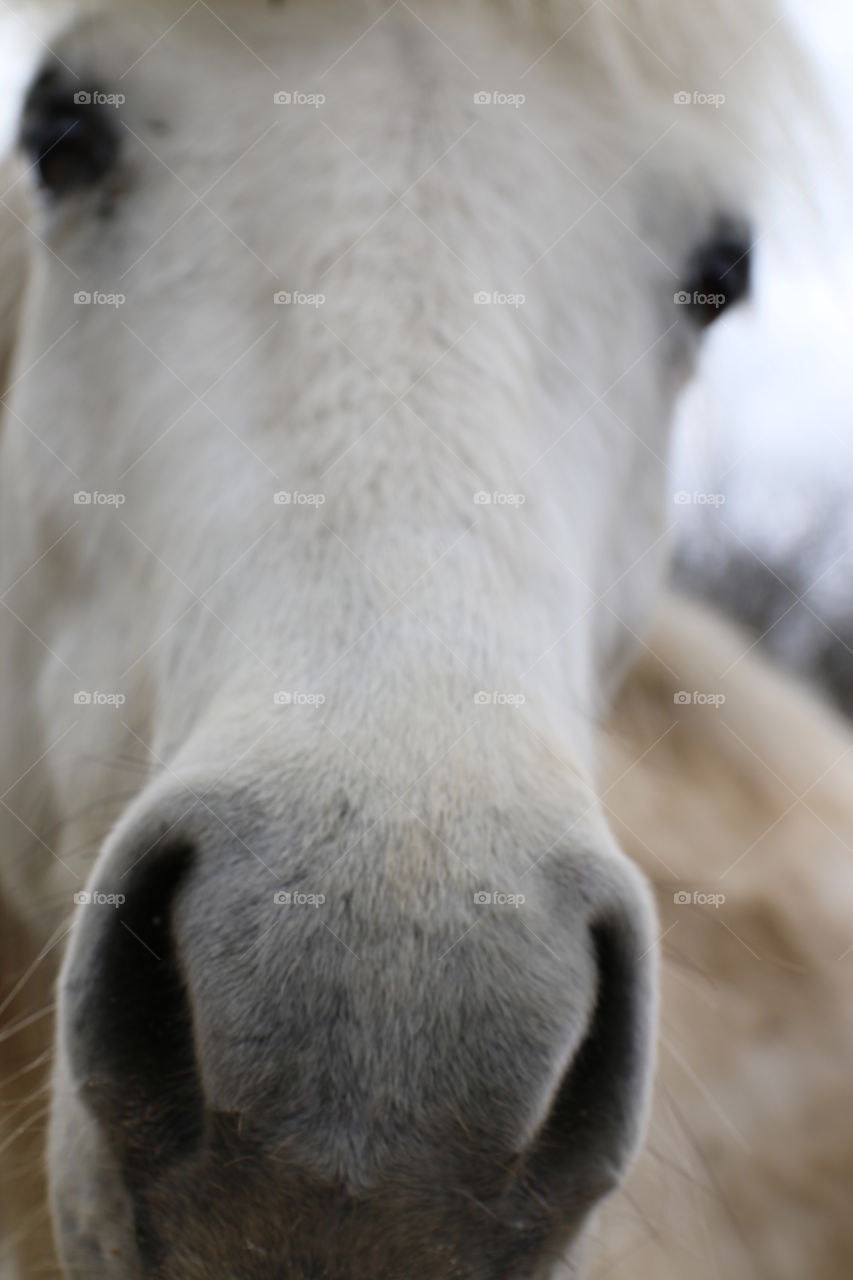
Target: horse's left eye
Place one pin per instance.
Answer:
(719, 273)
(68, 133)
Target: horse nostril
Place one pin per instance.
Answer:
(595, 1113)
(129, 1017)
(595, 1118)
(67, 132)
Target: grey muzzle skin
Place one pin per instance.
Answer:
(251, 1083)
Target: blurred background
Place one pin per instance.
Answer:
(762, 473)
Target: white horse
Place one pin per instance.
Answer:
(332, 509)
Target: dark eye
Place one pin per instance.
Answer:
(719, 273)
(69, 132)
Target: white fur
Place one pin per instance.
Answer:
(495, 404)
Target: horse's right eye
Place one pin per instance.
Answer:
(68, 133)
(719, 273)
